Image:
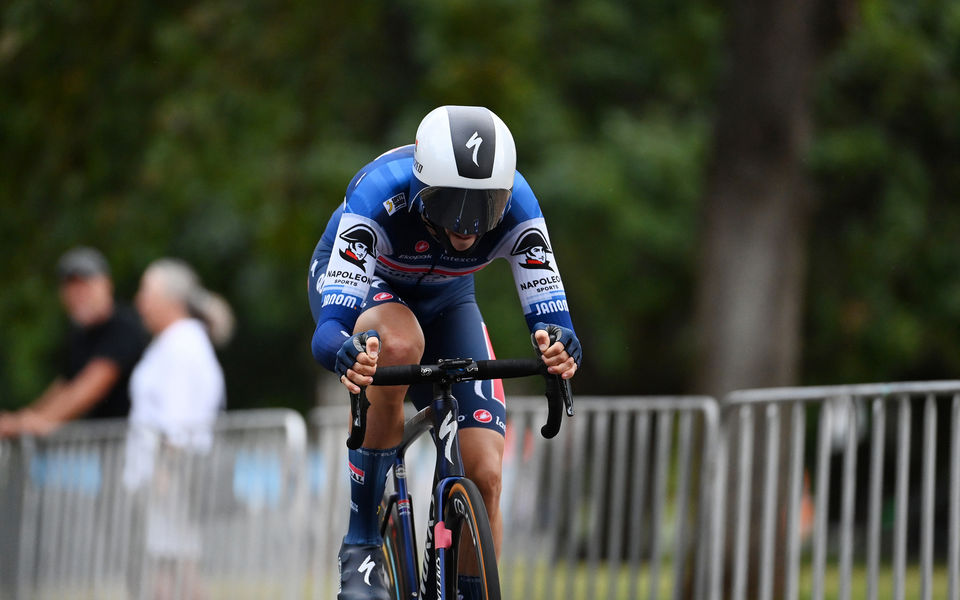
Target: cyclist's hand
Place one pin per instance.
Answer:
(563, 357)
(357, 360)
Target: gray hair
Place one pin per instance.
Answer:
(181, 283)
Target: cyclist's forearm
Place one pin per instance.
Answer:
(327, 339)
(561, 318)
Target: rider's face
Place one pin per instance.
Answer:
(459, 241)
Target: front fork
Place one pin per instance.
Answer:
(439, 541)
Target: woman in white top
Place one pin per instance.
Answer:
(176, 392)
(178, 388)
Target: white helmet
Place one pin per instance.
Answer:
(463, 163)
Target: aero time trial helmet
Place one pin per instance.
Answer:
(463, 166)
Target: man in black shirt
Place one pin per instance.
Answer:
(105, 341)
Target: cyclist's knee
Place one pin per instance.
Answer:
(490, 484)
(482, 451)
(489, 481)
(400, 347)
(401, 338)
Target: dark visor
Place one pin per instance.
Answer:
(463, 211)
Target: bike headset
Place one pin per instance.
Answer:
(464, 162)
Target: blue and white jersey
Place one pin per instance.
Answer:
(374, 235)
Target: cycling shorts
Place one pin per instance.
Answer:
(453, 330)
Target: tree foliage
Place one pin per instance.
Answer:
(225, 133)
(884, 292)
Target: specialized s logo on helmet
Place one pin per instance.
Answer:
(474, 142)
(533, 246)
(361, 241)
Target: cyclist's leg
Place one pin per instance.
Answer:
(482, 452)
(401, 342)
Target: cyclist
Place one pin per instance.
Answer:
(395, 262)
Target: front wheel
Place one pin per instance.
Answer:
(466, 517)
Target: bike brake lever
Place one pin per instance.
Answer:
(358, 410)
(556, 386)
(358, 416)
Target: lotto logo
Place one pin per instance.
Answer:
(382, 296)
(483, 416)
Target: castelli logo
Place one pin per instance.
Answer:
(483, 416)
(382, 296)
(422, 246)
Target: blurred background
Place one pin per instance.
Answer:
(739, 193)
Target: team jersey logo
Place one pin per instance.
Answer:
(380, 297)
(532, 245)
(361, 242)
(422, 246)
(394, 204)
(482, 416)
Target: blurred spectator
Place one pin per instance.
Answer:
(177, 391)
(105, 341)
(178, 388)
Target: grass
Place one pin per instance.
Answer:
(533, 582)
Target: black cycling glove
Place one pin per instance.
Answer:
(351, 349)
(561, 334)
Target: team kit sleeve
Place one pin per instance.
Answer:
(528, 249)
(346, 280)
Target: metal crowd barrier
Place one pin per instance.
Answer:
(610, 508)
(95, 512)
(885, 492)
(676, 497)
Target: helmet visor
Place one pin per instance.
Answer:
(463, 211)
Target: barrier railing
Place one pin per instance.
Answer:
(609, 507)
(855, 435)
(616, 496)
(637, 497)
(101, 512)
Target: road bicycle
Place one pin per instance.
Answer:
(456, 507)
